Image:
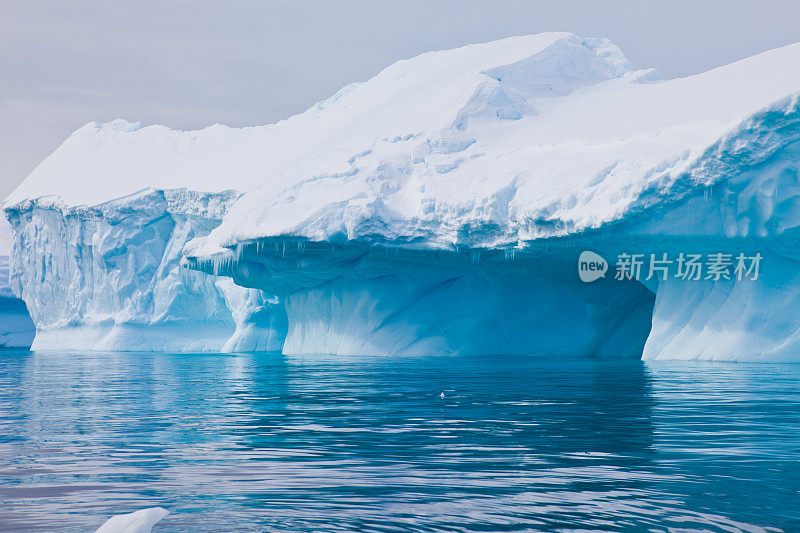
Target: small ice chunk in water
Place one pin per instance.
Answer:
(141, 521)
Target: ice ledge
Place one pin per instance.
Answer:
(182, 201)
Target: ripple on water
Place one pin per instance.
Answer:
(274, 443)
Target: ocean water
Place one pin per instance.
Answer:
(267, 442)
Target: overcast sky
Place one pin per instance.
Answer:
(189, 64)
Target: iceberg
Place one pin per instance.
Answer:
(441, 206)
(141, 521)
(108, 277)
(463, 234)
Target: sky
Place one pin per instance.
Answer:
(189, 64)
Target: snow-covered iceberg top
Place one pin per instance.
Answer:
(504, 142)
(486, 145)
(433, 92)
(102, 162)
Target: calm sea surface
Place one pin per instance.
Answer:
(275, 443)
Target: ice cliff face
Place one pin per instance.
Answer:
(108, 277)
(441, 206)
(754, 208)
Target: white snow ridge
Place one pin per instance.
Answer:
(437, 207)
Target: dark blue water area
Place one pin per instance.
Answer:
(267, 442)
